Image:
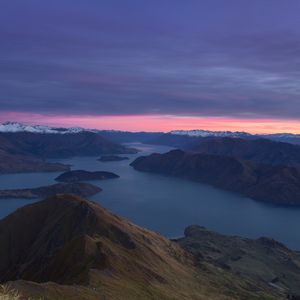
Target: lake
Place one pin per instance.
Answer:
(167, 205)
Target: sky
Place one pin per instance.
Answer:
(151, 65)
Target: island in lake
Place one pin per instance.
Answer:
(82, 175)
(105, 158)
(80, 189)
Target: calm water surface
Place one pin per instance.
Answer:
(168, 205)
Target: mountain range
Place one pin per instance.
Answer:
(140, 136)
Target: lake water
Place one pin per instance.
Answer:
(167, 205)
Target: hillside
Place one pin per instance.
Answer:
(27, 151)
(60, 145)
(16, 163)
(68, 248)
(248, 147)
(262, 259)
(275, 184)
(258, 150)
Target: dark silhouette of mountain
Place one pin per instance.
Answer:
(275, 184)
(262, 259)
(81, 175)
(258, 150)
(60, 145)
(66, 247)
(80, 189)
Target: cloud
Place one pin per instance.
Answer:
(214, 58)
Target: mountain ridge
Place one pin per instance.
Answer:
(66, 246)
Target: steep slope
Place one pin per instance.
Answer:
(276, 184)
(88, 253)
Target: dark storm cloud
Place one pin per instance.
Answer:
(215, 58)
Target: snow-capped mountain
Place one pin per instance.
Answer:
(19, 127)
(206, 133)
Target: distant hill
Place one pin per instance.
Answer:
(58, 145)
(78, 188)
(17, 163)
(113, 135)
(129, 137)
(66, 247)
(258, 150)
(24, 151)
(275, 184)
(181, 138)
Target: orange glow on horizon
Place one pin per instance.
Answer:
(156, 122)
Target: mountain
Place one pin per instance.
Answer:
(60, 145)
(284, 137)
(257, 150)
(19, 127)
(66, 247)
(262, 259)
(24, 148)
(79, 188)
(274, 184)
(113, 135)
(206, 133)
(182, 138)
(16, 163)
(129, 137)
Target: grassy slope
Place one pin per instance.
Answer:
(107, 266)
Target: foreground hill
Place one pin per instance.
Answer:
(68, 248)
(275, 184)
